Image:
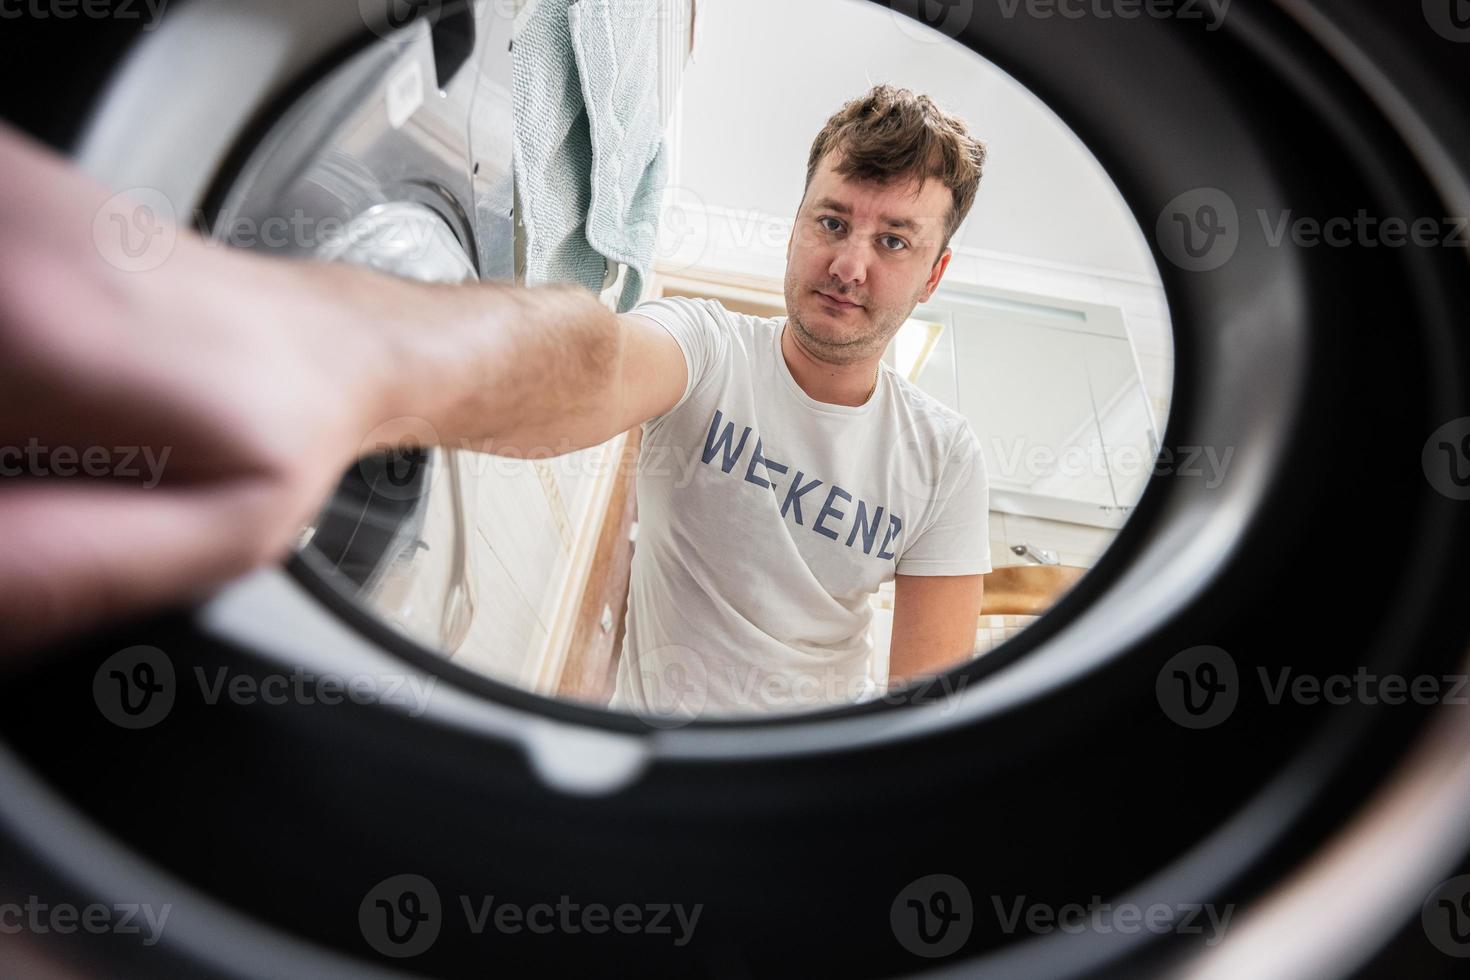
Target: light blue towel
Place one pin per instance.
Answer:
(589, 152)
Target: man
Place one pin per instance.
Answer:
(814, 471)
(822, 472)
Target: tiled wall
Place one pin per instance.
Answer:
(995, 630)
(1073, 544)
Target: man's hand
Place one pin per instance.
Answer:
(220, 380)
(253, 382)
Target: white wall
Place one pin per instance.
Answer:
(767, 74)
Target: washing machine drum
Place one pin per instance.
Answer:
(875, 840)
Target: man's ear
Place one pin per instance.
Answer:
(936, 274)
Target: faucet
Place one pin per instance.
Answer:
(1039, 555)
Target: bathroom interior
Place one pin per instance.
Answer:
(1050, 333)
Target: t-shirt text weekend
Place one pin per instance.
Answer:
(865, 520)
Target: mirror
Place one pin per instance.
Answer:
(1048, 335)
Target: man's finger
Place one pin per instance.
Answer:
(78, 553)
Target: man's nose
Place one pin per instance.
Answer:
(850, 264)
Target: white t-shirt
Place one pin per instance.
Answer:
(767, 518)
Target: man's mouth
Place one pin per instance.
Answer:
(837, 301)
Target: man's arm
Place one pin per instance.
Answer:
(253, 382)
(934, 623)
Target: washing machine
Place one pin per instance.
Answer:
(369, 838)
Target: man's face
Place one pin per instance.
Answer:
(872, 245)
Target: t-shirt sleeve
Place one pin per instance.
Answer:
(698, 327)
(957, 539)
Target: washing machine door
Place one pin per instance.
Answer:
(1120, 752)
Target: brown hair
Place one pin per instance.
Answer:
(891, 133)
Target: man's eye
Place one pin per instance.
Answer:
(894, 238)
(825, 218)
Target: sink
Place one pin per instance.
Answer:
(1027, 590)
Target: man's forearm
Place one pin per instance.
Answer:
(520, 371)
(492, 367)
(256, 379)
